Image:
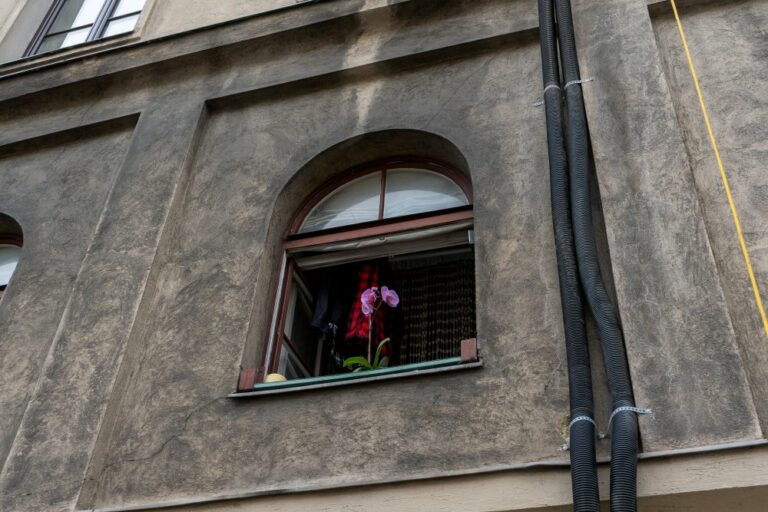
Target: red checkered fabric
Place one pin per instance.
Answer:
(357, 327)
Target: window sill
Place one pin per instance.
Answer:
(346, 379)
(58, 55)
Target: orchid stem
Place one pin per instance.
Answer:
(370, 331)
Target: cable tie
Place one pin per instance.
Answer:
(549, 86)
(574, 82)
(567, 446)
(581, 418)
(637, 410)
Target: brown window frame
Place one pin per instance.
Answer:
(272, 346)
(97, 27)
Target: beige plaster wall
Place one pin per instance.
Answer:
(129, 404)
(713, 482)
(9, 9)
(728, 46)
(19, 19)
(166, 17)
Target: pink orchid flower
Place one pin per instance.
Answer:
(389, 297)
(368, 299)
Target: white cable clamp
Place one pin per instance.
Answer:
(581, 418)
(548, 87)
(567, 446)
(574, 82)
(636, 410)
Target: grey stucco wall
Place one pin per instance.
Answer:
(660, 250)
(66, 178)
(729, 47)
(21, 19)
(249, 151)
(178, 158)
(167, 17)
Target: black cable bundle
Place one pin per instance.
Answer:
(624, 429)
(586, 496)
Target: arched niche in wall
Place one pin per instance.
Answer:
(11, 241)
(330, 165)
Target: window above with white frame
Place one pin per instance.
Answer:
(74, 22)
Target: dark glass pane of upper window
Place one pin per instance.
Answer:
(64, 40)
(128, 6)
(121, 26)
(77, 13)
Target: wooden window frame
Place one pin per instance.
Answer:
(293, 240)
(97, 27)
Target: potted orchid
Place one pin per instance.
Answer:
(372, 300)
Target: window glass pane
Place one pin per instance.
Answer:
(299, 329)
(51, 43)
(352, 203)
(412, 191)
(126, 6)
(121, 26)
(76, 13)
(9, 257)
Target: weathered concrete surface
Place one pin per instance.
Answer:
(55, 187)
(260, 41)
(18, 22)
(680, 341)
(51, 451)
(173, 295)
(173, 16)
(705, 483)
(192, 346)
(9, 9)
(729, 48)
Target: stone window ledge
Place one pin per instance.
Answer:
(346, 379)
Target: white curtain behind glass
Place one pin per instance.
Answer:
(352, 203)
(408, 192)
(9, 257)
(411, 191)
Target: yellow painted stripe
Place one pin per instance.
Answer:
(723, 176)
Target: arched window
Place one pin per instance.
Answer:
(11, 241)
(385, 194)
(402, 225)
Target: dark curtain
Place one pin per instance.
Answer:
(437, 305)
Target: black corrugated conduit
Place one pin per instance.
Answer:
(623, 422)
(586, 496)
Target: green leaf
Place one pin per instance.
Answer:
(356, 360)
(378, 352)
(384, 362)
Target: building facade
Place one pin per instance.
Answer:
(160, 161)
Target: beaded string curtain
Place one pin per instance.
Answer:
(437, 296)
